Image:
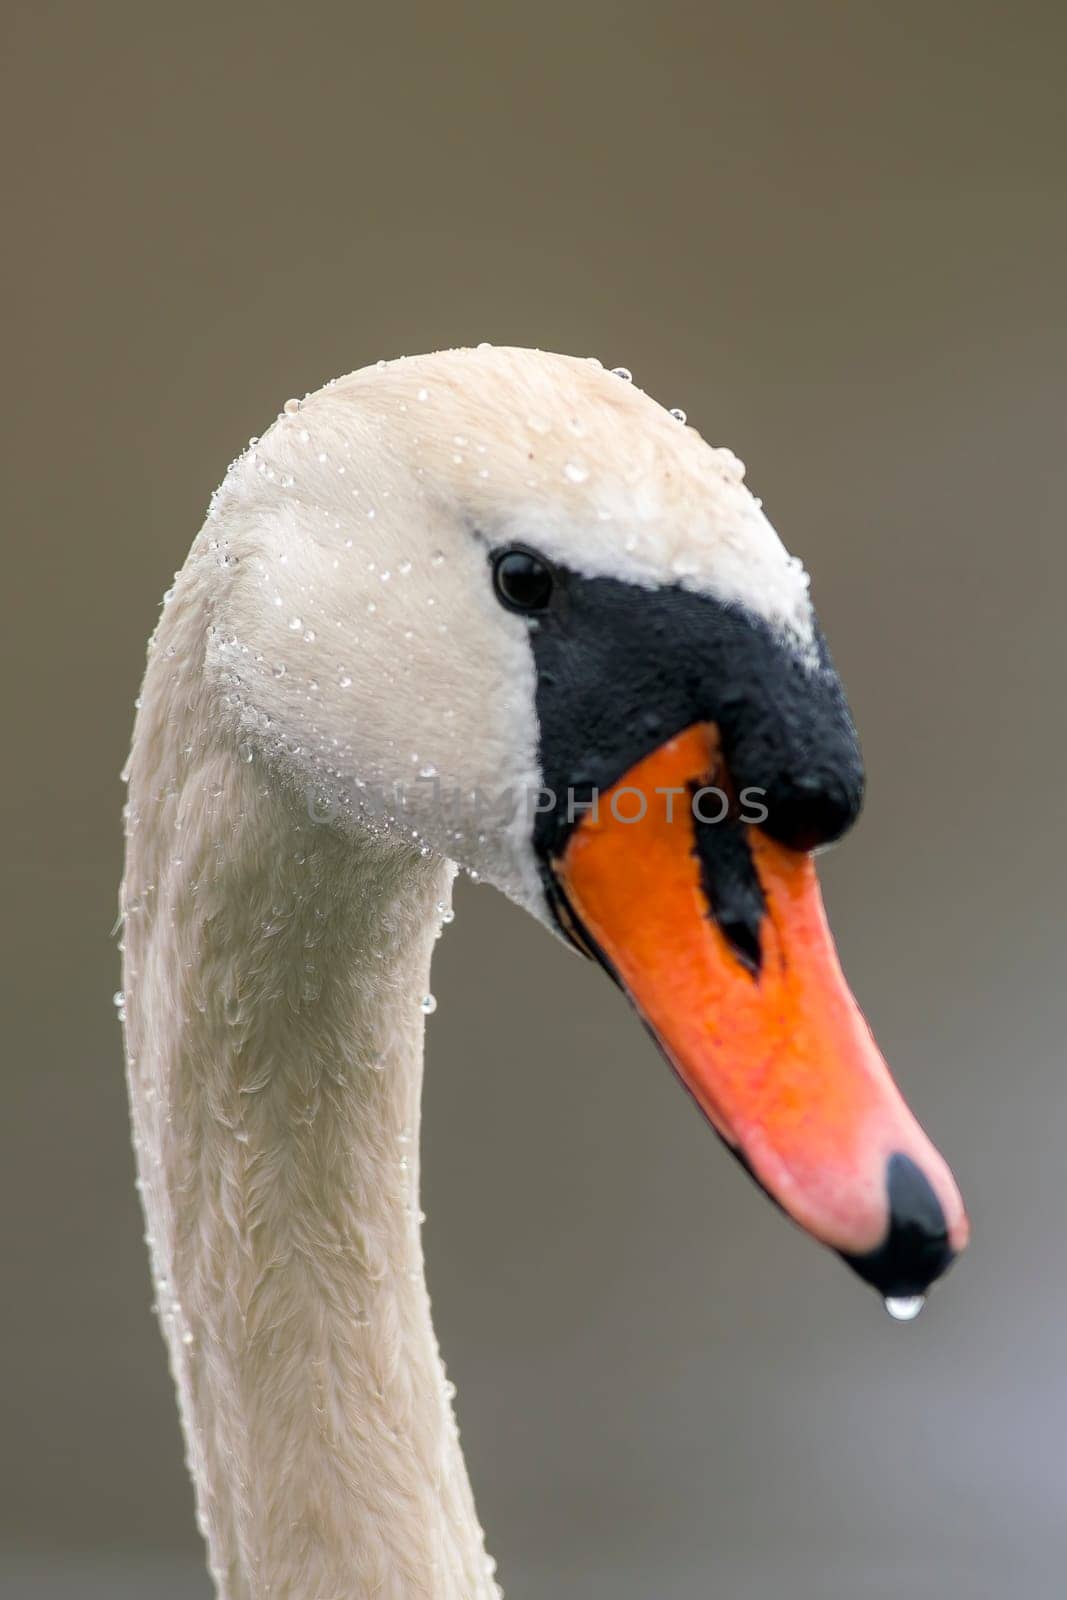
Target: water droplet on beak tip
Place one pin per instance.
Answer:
(904, 1308)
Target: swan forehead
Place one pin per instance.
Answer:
(559, 453)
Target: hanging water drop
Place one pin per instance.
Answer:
(904, 1307)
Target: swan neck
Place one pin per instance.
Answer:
(273, 977)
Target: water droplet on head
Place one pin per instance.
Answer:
(624, 373)
(291, 407)
(575, 472)
(678, 414)
(904, 1307)
(428, 1004)
(295, 624)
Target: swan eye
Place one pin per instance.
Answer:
(522, 580)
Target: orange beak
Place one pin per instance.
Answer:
(762, 1030)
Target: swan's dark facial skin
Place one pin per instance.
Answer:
(621, 668)
(712, 923)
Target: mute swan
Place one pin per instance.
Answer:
(432, 592)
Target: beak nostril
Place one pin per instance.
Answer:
(916, 1248)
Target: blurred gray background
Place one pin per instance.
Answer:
(835, 234)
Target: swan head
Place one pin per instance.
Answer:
(500, 606)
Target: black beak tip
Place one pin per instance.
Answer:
(916, 1250)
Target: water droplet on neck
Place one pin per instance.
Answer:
(904, 1307)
